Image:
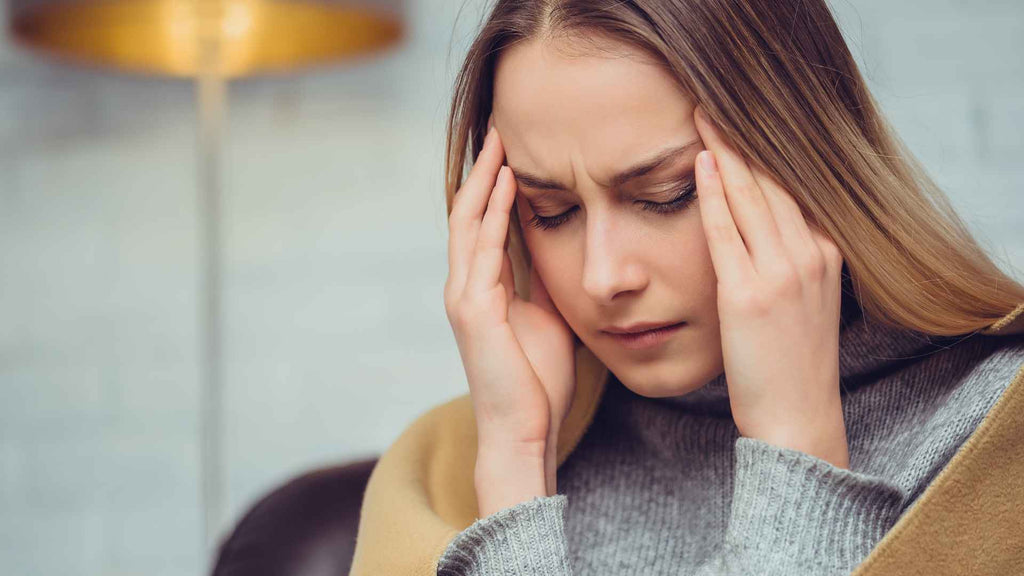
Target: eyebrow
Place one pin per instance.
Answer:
(640, 169)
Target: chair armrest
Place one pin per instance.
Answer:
(305, 527)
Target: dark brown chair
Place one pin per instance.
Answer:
(306, 527)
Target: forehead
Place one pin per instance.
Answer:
(565, 114)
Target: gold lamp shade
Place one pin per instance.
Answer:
(165, 36)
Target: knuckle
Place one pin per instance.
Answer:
(455, 217)
(833, 253)
(450, 308)
(450, 289)
(813, 264)
(457, 317)
(454, 308)
(758, 304)
(784, 280)
(449, 304)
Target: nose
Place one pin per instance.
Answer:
(610, 266)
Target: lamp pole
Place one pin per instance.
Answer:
(211, 88)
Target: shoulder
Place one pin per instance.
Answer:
(436, 451)
(949, 401)
(431, 461)
(977, 381)
(436, 430)
(953, 391)
(424, 478)
(922, 414)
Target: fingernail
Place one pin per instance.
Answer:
(707, 162)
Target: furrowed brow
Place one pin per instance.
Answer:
(640, 169)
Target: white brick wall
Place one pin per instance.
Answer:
(335, 239)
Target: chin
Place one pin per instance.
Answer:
(661, 379)
(662, 391)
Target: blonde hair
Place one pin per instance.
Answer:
(778, 79)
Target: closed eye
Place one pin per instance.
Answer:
(684, 198)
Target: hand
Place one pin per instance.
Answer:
(518, 355)
(779, 297)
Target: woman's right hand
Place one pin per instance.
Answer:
(518, 355)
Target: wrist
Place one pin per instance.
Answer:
(504, 479)
(834, 452)
(827, 443)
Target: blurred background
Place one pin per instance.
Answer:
(156, 380)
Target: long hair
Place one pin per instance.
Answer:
(777, 78)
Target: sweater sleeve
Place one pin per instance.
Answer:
(527, 539)
(796, 514)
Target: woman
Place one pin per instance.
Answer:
(797, 329)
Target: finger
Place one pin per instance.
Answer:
(830, 250)
(485, 269)
(796, 236)
(471, 198)
(728, 253)
(467, 209)
(746, 202)
(810, 236)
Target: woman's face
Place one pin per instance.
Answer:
(612, 260)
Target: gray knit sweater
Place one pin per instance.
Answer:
(667, 485)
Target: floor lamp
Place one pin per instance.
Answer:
(208, 42)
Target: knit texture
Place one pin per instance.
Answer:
(667, 485)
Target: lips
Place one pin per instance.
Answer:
(639, 327)
(651, 338)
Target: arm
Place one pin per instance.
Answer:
(521, 529)
(797, 514)
(796, 509)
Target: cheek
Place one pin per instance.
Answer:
(704, 281)
(692, 271)
(702, 255)
(559, 265)
(698, 251)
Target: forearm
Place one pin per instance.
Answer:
(820, 433)
(520, 530)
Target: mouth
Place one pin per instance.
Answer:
(644, 335)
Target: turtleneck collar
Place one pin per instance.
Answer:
(867, 351)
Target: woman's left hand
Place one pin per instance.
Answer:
(778, 305)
